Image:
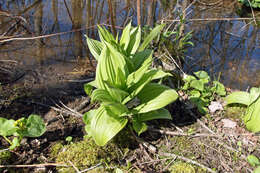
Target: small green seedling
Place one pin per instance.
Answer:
(69, 139)
(33, 126)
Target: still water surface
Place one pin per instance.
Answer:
(229, 48)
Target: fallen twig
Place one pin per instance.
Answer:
(35, 165)
(187, 160)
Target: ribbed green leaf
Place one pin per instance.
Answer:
(139, 127)
(155, 96)
(101, 95)
(125, 38)
(157, 114)
(151, 36)
(105, 126)
(139, 58)
(115, 108)
(135, 39)
(239, 97)
(95, 47)
(252, 117)
(88, 87)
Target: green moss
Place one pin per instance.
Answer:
(182, 144)
(4, 157)
(183, 167)
(235, 111)
(55, 149)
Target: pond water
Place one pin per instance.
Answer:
(229, 48)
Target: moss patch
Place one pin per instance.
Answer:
(86, 153)
(4, 157)
(182, 167)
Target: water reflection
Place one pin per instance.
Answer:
(229, 47)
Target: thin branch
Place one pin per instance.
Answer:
(208, 19)
(93, 167)
(76, 169)
(187, 160)
(35, 165)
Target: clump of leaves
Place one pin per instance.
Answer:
(252, 101)
(125, 84)
(252, 3)
(175, 41)
(33, 126)
(201, 90)
(254, 161)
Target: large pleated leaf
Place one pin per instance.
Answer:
(155, 96)
(88, 87)
(157, 114)
(140, 57)
(111, 69)
(101, 95)
(135, 39)
(252, 117)
(105, 126)
(134, 77)
(95, 47)
(254, 94)
(154, 33)
(87, 118)
(239, 97)
(125, 38)
(116, 108)
(105, 35)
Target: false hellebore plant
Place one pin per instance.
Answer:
(125, 86)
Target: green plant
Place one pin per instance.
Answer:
(201, 91)
(254, 161)
(125, 86)
(252, 101)
(69, 139)
(33, 126)
(252, 3)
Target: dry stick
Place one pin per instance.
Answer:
(77, 114)
(138, 8)
(46, 36)
(93, 167)
(35, 165)
(186, 160)
(184, 134)
(253, 14)
(212, 4)
(208, 19)
(76, 169)
(153, 149)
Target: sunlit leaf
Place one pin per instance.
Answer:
(239, 97)
(253, 160)
(88, 87)
(252, 117)
(35, 126)
(140, 57)
(95, 47)
(155, 96)
(154, 33)
(135, 39)
(7, 127)
(197, 84)
(101, 95)
(157, 114)
(125, 38)
(139, 127)
(105, 126)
